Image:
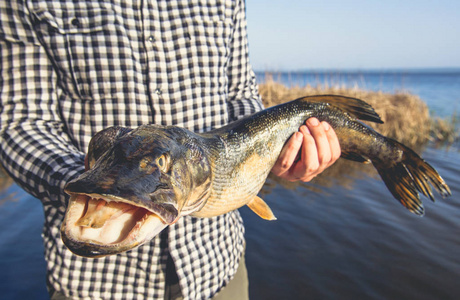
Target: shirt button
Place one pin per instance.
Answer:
(158, 91)
(151, 39)
(75, 22)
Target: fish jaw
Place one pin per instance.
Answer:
(96, 225)
(128, 195)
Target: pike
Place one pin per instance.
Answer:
(139, 181)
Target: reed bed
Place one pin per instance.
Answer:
(5, 182)
(406, 117)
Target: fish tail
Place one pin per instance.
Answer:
(406, 178)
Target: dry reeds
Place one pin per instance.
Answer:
(406, 117)
(5, 180)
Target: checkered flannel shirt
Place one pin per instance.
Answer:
(71, 68)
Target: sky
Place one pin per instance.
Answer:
(286, 35)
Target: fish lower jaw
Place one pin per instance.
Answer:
(94, 227)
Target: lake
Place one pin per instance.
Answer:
(347, 240)
(440, 89)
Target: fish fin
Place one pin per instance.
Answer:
(261, 208)
(409, 177)
(354, 157)
(355, 107)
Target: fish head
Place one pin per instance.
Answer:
(139, 183)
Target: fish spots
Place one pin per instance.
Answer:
(107, 183)
(145, 163)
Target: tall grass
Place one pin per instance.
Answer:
(406, 117)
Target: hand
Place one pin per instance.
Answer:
(318, 146)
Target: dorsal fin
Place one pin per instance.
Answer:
(355, 107)
(261, 208)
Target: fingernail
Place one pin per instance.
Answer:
(313, 122)
(326, 126)
(298, 136)
(305, 129)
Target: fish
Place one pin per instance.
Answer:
(140, 180)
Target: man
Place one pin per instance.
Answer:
(72, 68)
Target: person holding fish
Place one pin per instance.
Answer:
(71, 68)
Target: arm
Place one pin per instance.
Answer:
(243, 92)
(34, 148)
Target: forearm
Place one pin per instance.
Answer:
(38, 164)
(34, 148)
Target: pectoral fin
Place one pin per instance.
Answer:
(261, 208)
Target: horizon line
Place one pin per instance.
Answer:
(364, 70)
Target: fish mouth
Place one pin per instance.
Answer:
(97, 225)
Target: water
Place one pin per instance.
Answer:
(337, 242)
(22, 263)
(440, 89)
(357, 243)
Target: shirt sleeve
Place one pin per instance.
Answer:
(244, 98)
(34, 148)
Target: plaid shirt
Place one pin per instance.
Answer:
(71, 68)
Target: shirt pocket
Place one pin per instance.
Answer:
(90, 50)
(208, 51)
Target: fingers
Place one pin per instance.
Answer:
(326, 141)
(319, 149)
(333, 143)
(288, 155)
(313, 152)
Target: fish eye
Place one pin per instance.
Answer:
(162, 163)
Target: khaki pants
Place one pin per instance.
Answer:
(236, 289)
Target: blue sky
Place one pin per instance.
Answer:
(357, 34)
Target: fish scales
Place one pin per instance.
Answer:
(138, 181)
(251, 149)
(238, 179)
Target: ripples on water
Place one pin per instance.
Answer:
(340, 243)
(357, 243)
